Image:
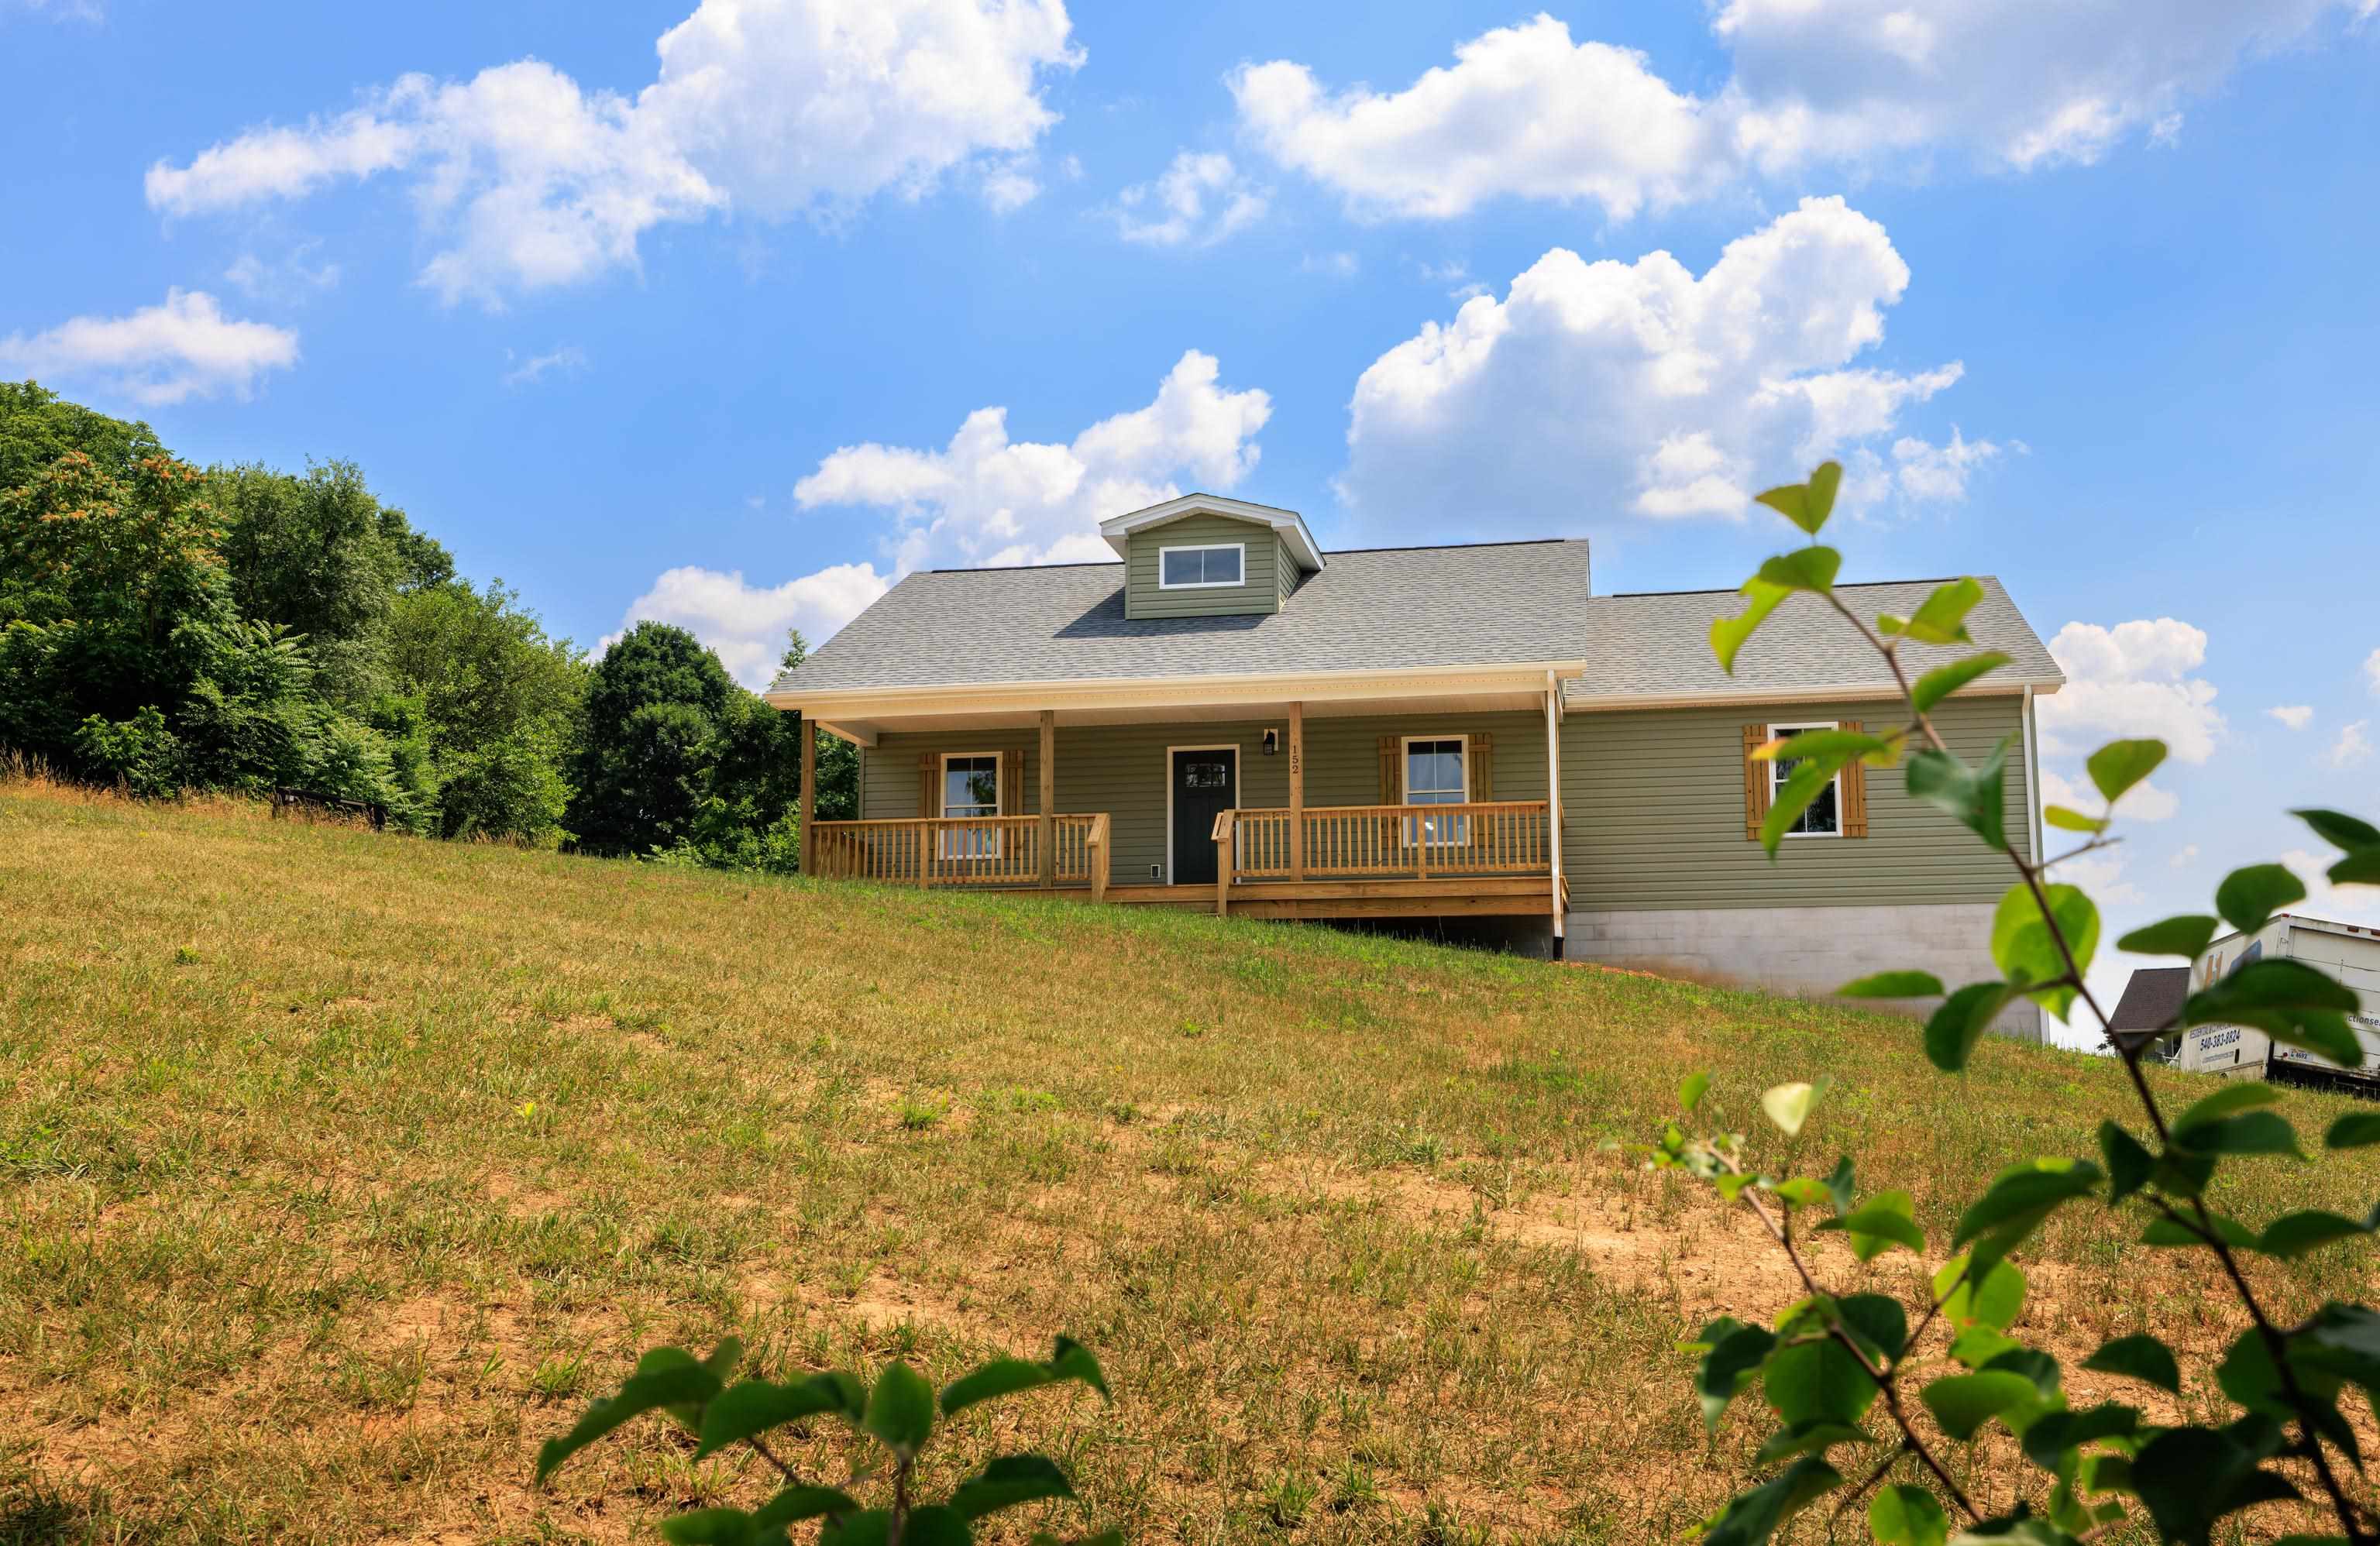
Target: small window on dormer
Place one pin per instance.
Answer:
(1193, 568)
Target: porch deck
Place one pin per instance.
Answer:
(1478, 859)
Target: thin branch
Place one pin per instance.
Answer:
(1850, 1499)
(769, 1456)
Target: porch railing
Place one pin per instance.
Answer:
(961, 851)
(1389, 842)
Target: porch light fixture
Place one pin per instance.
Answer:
(1271, 742)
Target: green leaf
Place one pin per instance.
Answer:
(2141, 1358)
(1787, 1106)
(1977, 796)
(1943, 681)
(1993, 1297)
(1876, 1321)
(2233, 1097)
(1882, 1222)
(1963, 1402)
(752, 1406)
(1817, 1382)
(1893, 984)
(2049, 1436)
(1736, 1353)
(2067, 820)
(799, 1502)
(2191, 1478)
(1803, 569)
(1691, 1089)
(2120, 764)
(2187, 937)
(1807, 506)
(1953, 1029)
(664, 1377)
(1812, 777)
(2026, 949)
(2291, 1002)
(936, 1526)
(1007, 1482)
(2174, 1232)
(2254, 1132)
(900, 1409)
(2357, 1129)
(1836, 746)
(2342, 832)
(2034, 1364)
(710, 1527)
(1941, 618)
(1803, 1192)
(2248, 898)
(1978, 1346)
(2359, 868)
(2292, 1235)
(2018, 1199)
(2129, 1164)
(1838, 1185)
(1727, 633)
(1068, 1359)
(1808, 1438)
(1752, 1518)
(1906, 1515)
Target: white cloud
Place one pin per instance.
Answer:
(568, 360)
(1640, 385)
(1938, 472)
(1525, 111)
(1337, 265)
(2353, 748)
(159, 355)
(779, 107)
(2144, 802)
(2131, 680)
(746, 623)
(2347, 905)
(985, 499)
(2372, 661)
(290, 280)
(64, 10)
(1200, 199)
(2101, 874)
(2297, 717)
(2184, 856)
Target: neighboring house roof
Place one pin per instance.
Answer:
(1383, 609)
(1659, 645)
(2151, 999)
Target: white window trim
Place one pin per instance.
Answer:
(1230, 746)
(1775, 782)
(1239, 548)
(999, 799)
(1459, 834)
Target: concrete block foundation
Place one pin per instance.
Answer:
(1806, 951)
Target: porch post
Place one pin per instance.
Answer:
(1553, 801)
(809, 789)
(1048, 797)
(1297, 791)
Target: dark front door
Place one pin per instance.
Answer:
(1205, 783)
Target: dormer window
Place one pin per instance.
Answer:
(1201, 568)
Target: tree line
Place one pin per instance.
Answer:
(165, 627)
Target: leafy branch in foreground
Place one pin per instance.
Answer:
(898, 1413)
(1835, 1361)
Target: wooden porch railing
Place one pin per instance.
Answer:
(1389, 842)
(961, 851)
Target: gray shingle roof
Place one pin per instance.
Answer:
(1379, 610)
(2151, 999)
(1659, 645)
(1487, 604)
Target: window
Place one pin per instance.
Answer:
(1437, 772)
(1193, 568)
(970, 787)
(1824, 818)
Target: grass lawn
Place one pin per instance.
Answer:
(338, 1171)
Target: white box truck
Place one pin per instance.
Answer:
(2347, 951)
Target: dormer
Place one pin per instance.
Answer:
(1202, 555)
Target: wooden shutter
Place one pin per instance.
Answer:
(1483, 767)
(1012, 781)
(1854, 795)
(1755, 781)
(1392, 771)
(929, 785)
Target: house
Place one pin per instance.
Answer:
(1231, 718)
(2152, 1001)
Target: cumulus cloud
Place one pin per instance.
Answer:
(2144, 802)
(778, 107)
(568, 360)
(1938, 472)
(158, 355)
(2353, 747)
(746, 623)
(2346, 904)
(1198, 201)
(2297, 716)
(985, 499)
(291, 280)
(1646, 386)
(1527, 111)
(2131, 680)
(2372, 671)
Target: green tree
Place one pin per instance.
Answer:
(312, 553)
(658, 719)
(37, 427)
(838, 760)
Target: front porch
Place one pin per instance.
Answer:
(1425, 795)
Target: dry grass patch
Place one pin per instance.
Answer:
(338, 1171)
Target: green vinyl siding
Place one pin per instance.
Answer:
(1123, 769)
(1261, 587)
(1653, 814)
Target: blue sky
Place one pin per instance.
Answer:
(728, 314)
